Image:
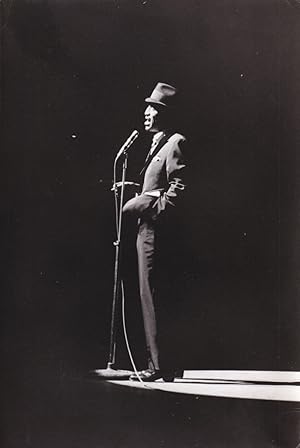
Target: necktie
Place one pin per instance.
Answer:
(155, 141)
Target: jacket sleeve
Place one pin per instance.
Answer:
(175, 167)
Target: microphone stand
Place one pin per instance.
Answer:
(110, 372)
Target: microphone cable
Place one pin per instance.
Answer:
(118, 220)
(126, 338)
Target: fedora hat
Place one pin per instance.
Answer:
(163, 94)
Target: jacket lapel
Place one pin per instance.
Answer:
(161, 143)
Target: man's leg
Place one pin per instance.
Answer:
(145, 252)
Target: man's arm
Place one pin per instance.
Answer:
(175, 167)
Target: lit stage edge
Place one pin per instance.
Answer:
(242, 384)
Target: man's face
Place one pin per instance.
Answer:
(151, 122)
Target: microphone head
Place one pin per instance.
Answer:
(134, 135)
(131, 138)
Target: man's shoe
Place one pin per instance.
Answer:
(152, 375)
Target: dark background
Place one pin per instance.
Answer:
(74, 76)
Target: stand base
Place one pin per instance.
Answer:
(111, 374)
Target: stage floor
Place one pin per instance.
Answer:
(206, 409)
(243, 384)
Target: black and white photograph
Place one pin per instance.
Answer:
(150, 220)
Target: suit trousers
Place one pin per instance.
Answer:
(145, 244)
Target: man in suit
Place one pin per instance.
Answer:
(162, 188)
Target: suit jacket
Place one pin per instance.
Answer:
(163, 174)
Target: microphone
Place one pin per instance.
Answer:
(128, 143)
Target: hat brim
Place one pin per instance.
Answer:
(152, 101)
